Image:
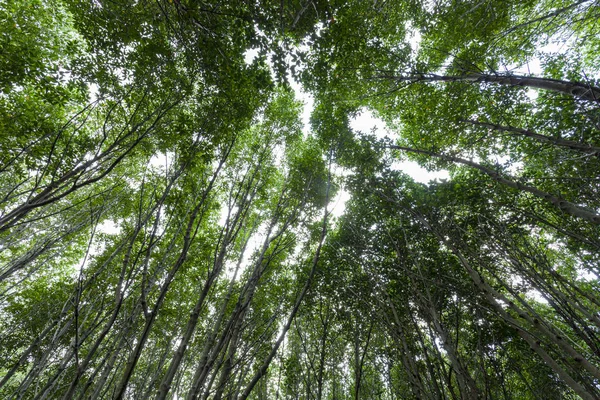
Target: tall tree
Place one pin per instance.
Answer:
(166, 223)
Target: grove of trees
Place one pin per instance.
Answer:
(166, 225)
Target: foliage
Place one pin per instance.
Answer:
(166, 219)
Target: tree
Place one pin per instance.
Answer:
(166, 225)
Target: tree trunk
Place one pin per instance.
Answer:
(561, 204)
(187, 241)
(582, 147)
(494, 297)
(575, 89)
(267, 362)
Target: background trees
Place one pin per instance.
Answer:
(165, 220)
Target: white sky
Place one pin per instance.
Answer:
(365, 122)
(368, 123)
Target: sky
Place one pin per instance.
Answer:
(365, 122)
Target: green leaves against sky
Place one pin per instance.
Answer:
(166, 219)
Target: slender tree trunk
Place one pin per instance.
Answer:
(359, 360)
(227, 337)
(231, 350)
(323, 352)
(260, 267)
(399, 336)
(201, 370)
(110, 365)
(575, 89)
(118, 303)
(165, 385)
(262, 370)
(582, 147)
(494, 296)
(187, 241)
(467, 385)
(561, 204)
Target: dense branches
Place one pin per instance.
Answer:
(170, 229)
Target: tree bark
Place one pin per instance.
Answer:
(576, 89)
(493, 296)
(267, 362)
(582, 147)
(187, 241)
(563, 205)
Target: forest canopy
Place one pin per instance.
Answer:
(167, 224)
